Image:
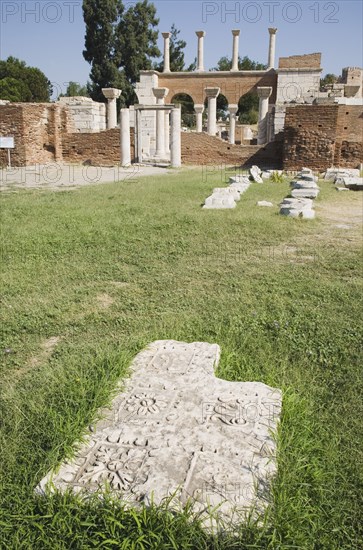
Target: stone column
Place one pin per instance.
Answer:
(200, 58)
(212, 94)
(233, 108)
(235, 50)
(167, 132)
(271, 48)
(263, 93)
(175, 145)
(125, 137)
(111, 94)
(199, 109)
(160, 94)
(166, 36)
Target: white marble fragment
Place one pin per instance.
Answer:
(264, 203)
(177, 429)
(233, 191)
(310, 193)
(219, 201)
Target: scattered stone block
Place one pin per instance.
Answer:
(333, 173)
(233, 191)
(256, 174)
(342, 188)
(302, 184)
(219, 201)
(176, 429)
(239, 179)
(264, 203)
(353, 183)
(297, 208)
(309, 193)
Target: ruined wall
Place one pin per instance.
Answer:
(321, 136)
(203, 149)
(102, 149)
(37, 129)
(307, 61)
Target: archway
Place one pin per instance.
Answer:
(187, 109)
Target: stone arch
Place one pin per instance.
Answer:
(187, 108)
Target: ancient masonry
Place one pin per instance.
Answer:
(176, 429)
(297, 122)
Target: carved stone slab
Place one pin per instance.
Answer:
(177, 429)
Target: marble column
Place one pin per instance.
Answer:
(125, 137)
(235, 50)
(263, 93)
(200, 58)
(167, 131)
(160, 94)
(212, 94)
(175, 144)
(111, 94)
(271, 48)
(233, 108)
(199, 109)
(166, 36)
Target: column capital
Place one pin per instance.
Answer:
(236, 32)
(111, 93)
(233, 108)
(264, 92)
(200, 34)
(213, 92)
(160, 93)
(198, 108)
(166, 34)
(272, 30)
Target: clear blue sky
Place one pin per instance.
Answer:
(49, 34)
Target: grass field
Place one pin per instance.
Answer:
(91, 276)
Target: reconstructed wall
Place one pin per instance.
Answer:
(203, 149)
(321, 136)
(102, 149)
(307, 61)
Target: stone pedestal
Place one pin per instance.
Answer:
(263, 93)
(200, 58)
(166, 36)
(235, 34)
(175, 144)
(212, 94)
(271, 50)
(125, 137)
(160, 94)
(232, 122)
(199, 109)
(111, 94)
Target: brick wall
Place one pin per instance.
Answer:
(321, 136)
(11, 125)
(307, 61)
(204, 149)
(101, 149)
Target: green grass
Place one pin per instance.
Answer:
(110, 268)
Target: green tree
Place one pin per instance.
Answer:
(118, 44)
(177, 46)
(74, 89)
(244, 64)
(32, 84)
(328, 80)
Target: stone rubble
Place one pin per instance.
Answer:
(226, 197)
(255, 173)
(174, 428)
(304, 189)
(264, 203)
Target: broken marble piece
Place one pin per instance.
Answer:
(303, 184)
(264, 203)
(305, 192)
(219, 201)
(255, 173)
(233, 191)
(353, 183)
(297, 208)
(239, 179)
(176, 429)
